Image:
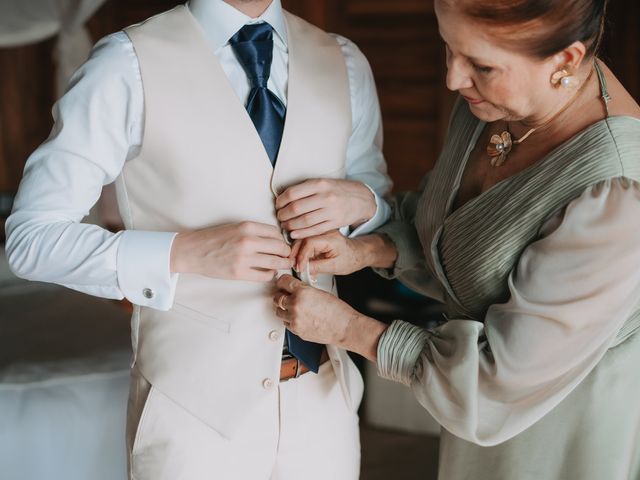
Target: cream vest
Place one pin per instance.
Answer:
(202, 164)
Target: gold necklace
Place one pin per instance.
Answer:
(501, 145)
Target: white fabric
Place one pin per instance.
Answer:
(49, 428)
(303, 430)
(60, 419)
(29, 21)
(571, 293)
(99, 124)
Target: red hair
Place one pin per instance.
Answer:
(540, 28)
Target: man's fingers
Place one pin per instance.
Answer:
(271, 246)
(299, 207)
(302, 190)
(271, 262)
(307, 220)
(317, 229)
(296, 192)
(288, 283)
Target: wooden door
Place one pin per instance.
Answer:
(399, 37)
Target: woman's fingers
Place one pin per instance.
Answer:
(310, 248)
(289, 283)
(321, 253)
(295, 249)
(280, 300)
(272, 246)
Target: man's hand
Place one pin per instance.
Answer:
(244, 251)
(318, 206)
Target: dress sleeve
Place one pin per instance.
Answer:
(410, 266)
(571, 293)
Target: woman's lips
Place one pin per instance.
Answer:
(473, 101)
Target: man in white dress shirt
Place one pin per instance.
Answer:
(169, 110)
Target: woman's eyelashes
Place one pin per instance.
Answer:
(482, 68)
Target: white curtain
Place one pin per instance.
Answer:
(23, 22)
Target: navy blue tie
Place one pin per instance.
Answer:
(253, 46)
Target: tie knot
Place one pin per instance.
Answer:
(253, 47)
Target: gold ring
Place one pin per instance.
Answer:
(281, 302)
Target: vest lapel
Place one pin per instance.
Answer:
(237, 115)
(306, 117)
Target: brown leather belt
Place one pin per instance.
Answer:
(293, 368)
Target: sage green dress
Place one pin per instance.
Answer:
(536, 373)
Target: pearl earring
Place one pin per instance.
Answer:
(562, 78)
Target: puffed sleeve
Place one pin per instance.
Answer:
(571, 293)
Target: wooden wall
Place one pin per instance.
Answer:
(401, 41)
(399, 37)
(26, 96)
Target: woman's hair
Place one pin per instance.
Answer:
(540, 28)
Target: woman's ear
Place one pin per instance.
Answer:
(571, 57)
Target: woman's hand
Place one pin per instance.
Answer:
(329, 253)
(318, 206)
(336, 254)
(320, 317)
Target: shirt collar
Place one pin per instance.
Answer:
(220, 21)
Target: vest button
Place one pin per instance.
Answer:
(267, 384)
(274, 335)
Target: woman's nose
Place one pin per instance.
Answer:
(457, 76)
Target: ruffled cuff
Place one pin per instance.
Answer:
(399, 350)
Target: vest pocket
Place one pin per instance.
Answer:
(202, 318)
(141, 395)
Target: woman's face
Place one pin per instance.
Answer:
(498, 84)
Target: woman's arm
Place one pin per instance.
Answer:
(571, 293)
(488, 381)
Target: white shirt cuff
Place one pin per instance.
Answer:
(383, 213)
(143, 268)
